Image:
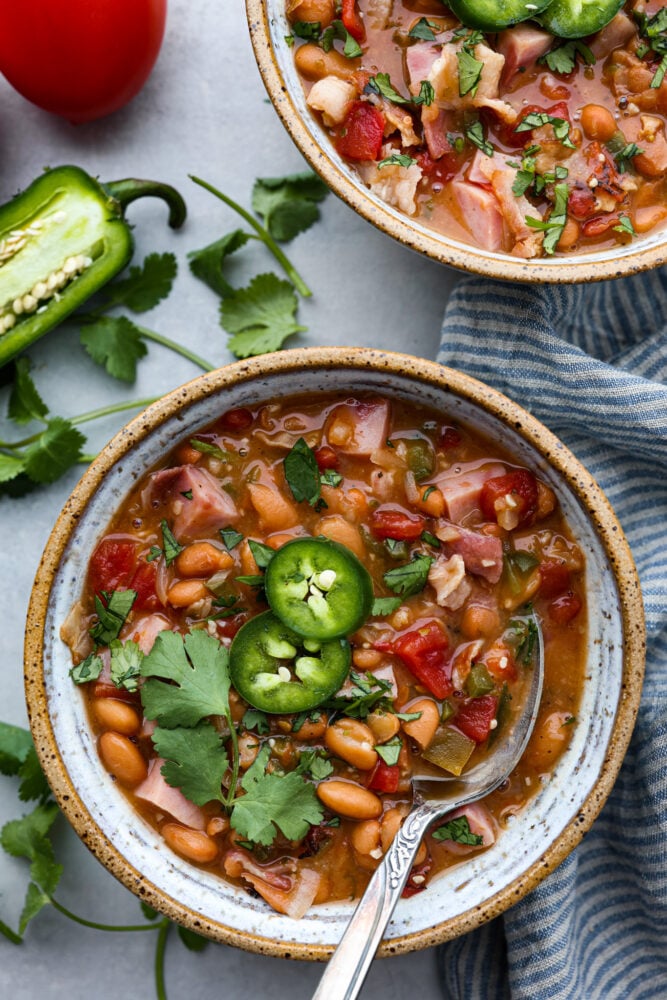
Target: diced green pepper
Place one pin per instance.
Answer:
(478, 681)
(451, 750)
(421, 458)
(61, 240)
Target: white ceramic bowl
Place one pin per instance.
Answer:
(268, 28)
(464, 896)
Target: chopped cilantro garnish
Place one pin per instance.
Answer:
(411, 578)
(625, 156)
(470, 72)
(536, 119)
(172, 548)
(625, 226)
(309, 30)
(563, 59)
(459, 831)
(475, 134)
(254, 719)
(397, 160)
(302, 473)
(88, 670)
(554, 225)
(391, 751)
(331, 478)
(231, 538)
(385, 605)
(111, 609)
(424, 30)
(263, 554)
(126, 660)
(430, 539)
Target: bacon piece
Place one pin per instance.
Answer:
(521, 46)
(155, 790)
(480, 214)
(462, 490)
(284, 887)
(482, 554)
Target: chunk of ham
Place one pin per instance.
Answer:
(332, 97)
(359, 428)
(282, 885)
(419, 61)
(447, 576)
(480, 214)
(619, 31)
(155, 790)
(481, 823)
(648, 133)
(396, 185)
(482, 554)
(444, 77)
(521, 47)
(462, 490)
(514, 209)
(144, 631)
(436, 124)
(210, 506)
(399, 120)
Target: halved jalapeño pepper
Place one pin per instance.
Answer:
(61, 240)
(277, 671)
(493, 15)
(579, 18)
(318, 588)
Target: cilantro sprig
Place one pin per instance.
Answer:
(563, 58)
(554, 225)
(653, 31)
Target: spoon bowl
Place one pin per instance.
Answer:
(434, 797)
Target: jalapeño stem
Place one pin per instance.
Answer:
(131, 188)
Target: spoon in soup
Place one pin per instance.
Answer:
(434, 796)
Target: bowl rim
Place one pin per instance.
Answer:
(325, 162)
(430, 374)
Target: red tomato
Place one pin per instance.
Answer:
(395, 524)
(236, 420)
(112, 564)
(351, 19)
(499, 661)
(417, 879)
(423, 653)
(449, 438)
(474, 718)
(326, 458)
(565, 608)
(554, 577)
(385, 777)
(104, 690)
(581, 202)
(362, 132)
(143, 582)
(81, 59)
(520, 485)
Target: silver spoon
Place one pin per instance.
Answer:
(433, 797)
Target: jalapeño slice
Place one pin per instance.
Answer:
(318, 588)
(278, 672)
(493, 15)
(578, 18)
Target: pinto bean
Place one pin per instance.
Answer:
(191, 844)
(389, 827)
(312, 729)
(598, 122)
(383, 725)
(352, 741)
(186, 592)
(248, 749)
(323, 11)
(479, 622)
(365, 837)
(423, 729)
(202, 559)
(117, 716)
(313, 63)
(122, 759)
(217, 825)
(570, 235)
(366, 659)
(346, 798)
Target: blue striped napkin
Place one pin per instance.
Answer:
(591, 363)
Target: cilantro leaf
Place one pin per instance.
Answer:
(536, 119)
(364, 694)
(459, 831)
(126, 660)
(88, 670)
(115, 343)
(145, 285)
(111, 613)
(385, 605)
(56, 450)
(23, 838)
(424, 30)
(192, 941)
(426, 94)
(625, 226)
(171, 547)
(475, 134)
(563, 59)
(207, 264)
(25, 403)
(624, 157)
(308, 30)
(554, 225)
(381, 84)
(391, 751)
(316, 764)
(302, 473)
(198, 666)
(260, 317)
(337, 30)
(273, 803)
(11, 466)
(195, 761)
(397, 160)
(231, 538)
(288, 205)
(254, 719)
(33, 783)
(263, 554)
(15, 744)
(410, 578)
(470, 72)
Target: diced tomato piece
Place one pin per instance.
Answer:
(581, 202)
(396, 524)
(362, 132)
(565, 608)
(604, 169)
(507, 133)
(385, 777)
(230, 626)
(112, 564)
(104, 690)
(352, 21)
(449, 438)
(144, 582)
(417, 880)
(554, 577)
(520, 485)
(424, 654)
(326, 458)
(499, 661)
(444, 168)
(474, 717)
(236, 420)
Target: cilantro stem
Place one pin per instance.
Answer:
(10, 934)
(101, 927)
(160, 947)
(263, 234)
(84, 418)
(158, 338)
(235, 762)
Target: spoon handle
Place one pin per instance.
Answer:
(346, 971)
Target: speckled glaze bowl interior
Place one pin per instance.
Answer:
(268, 28)
(464, 896)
